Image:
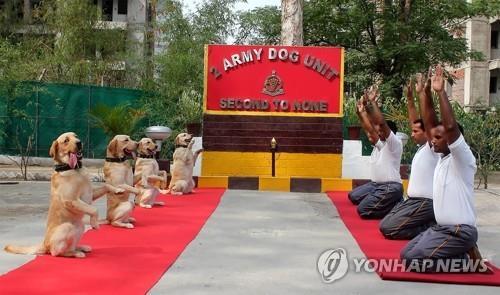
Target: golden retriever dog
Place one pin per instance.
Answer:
(147, 174)
(71, 196)
(118, 172)
(182, 170)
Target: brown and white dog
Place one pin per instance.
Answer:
(71, 196)
(118, 172)
(147, 174)
(182, 170)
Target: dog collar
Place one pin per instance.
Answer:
(66, 167)
(179, 145)
(117, 160)
(145, 156)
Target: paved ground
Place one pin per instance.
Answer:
(254, 243)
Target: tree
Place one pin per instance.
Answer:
(259, 26)
(291, 22)
(483, 136)
(180, 68)
(85, 50)
(385, 40)
(68, 42)
(57, 41)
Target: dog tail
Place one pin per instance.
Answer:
(39, 249)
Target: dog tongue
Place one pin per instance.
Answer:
(73, 160)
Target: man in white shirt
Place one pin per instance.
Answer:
(376, 198)
(455, 233)
(415, 214)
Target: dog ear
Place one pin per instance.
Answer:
(177, 140)
(53, 149)
(140, 145)
(112, 147)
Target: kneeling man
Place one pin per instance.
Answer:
(455, 233)
(415, 214)
(376, 198)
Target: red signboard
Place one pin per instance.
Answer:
(277, 80)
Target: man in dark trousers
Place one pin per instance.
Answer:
(376, 198)
(415, 214)
(455, 232)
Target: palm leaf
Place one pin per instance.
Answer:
(114, 120)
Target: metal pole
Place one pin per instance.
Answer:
(273, 171)
(37, 116)
(274, 147)
(88, 121)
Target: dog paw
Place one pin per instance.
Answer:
(84, 248)
(129, 225)
(119, 190)
(79, 254)
(94, 223)
(146, 206)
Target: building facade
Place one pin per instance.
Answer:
(134, 18)
(477, 83)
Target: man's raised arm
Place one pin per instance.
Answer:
(449, 123)
(375, 114)
(366, 124)
(427, 112)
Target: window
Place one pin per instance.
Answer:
(493, 84)
(122, 6)
(107, 10)
(494, 39)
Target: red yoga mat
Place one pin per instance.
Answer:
(123, 261)
(375, 246)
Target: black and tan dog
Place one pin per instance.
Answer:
(71, 196)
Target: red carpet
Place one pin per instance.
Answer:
(123, 261)
(375, 246)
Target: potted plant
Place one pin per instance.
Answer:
(190, 112)
(113, 120)
(351, 119)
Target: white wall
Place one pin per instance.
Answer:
(354, 165)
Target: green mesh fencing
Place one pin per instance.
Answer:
(48, 110)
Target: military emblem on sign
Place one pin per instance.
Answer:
(273, 85)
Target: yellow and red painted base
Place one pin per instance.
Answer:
(295, 172)
(283, 184)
